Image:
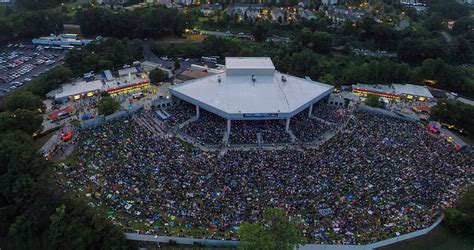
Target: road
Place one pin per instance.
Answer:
(242, 35)
(150, 56)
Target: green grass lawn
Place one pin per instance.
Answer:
(438, 239)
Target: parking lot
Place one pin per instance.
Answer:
(20, 64)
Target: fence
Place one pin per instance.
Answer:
(233, 243)
(99, 120)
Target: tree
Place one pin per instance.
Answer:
(260, 31)
(253, 236)
(152, 22)
(434, 22)
(448, 8)
(445, 76)
(157, 75)
(177, 65)
(460, 219)
(37, 4)
(463, 25)
(322, 42)
(276, 232)
(22, 100)
(285, 232)
(107, 105)
(50, 81)
(454, 112)
(373, 101)
(25, 120)
(35, 214)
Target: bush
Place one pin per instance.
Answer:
(460, 219)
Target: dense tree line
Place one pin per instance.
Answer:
(107, 105)
(456, 113)
(109, 53)
(301, 58)
(49, 81)
(275, 231)
(460, 219)
(153, 22)
(34, 212)
(39, 4)
(30, 23)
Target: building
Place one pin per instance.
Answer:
(78, 90)
(410, 2)
(329, 2)
(127, 71)
(112, 2)
(61, 40)
(251, 89)
(308, 14)
(209, 9)
(129, 80)
(395, 91)
(162, 2)
(341, 14)
(413, 92)
(148, 66)
(250, 11)
(379, 90)
(278, 16)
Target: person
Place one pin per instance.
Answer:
(380, 177)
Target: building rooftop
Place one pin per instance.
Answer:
(79, 88)
(127, 71)
(410, 89)
(237, 94)
(249, 63)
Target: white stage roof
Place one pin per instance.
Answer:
(238, 96)
(249, 63)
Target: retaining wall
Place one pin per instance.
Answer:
(232, 243)
(385, 112)
(99, 120)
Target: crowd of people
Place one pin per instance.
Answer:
(179, 114)
(308, 129)
(270, 131)
(379, 178)
(87, 106)
(331, 113)
(209, 128)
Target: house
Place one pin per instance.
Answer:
(329, 2)
(162, 2)
(209, 9)
(341, 14)
(112, 2)
(278, 16)
(307, 14)
(252, 11)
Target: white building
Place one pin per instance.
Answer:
(251, 89)
(329, 2)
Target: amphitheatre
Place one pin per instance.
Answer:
(250, 138)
